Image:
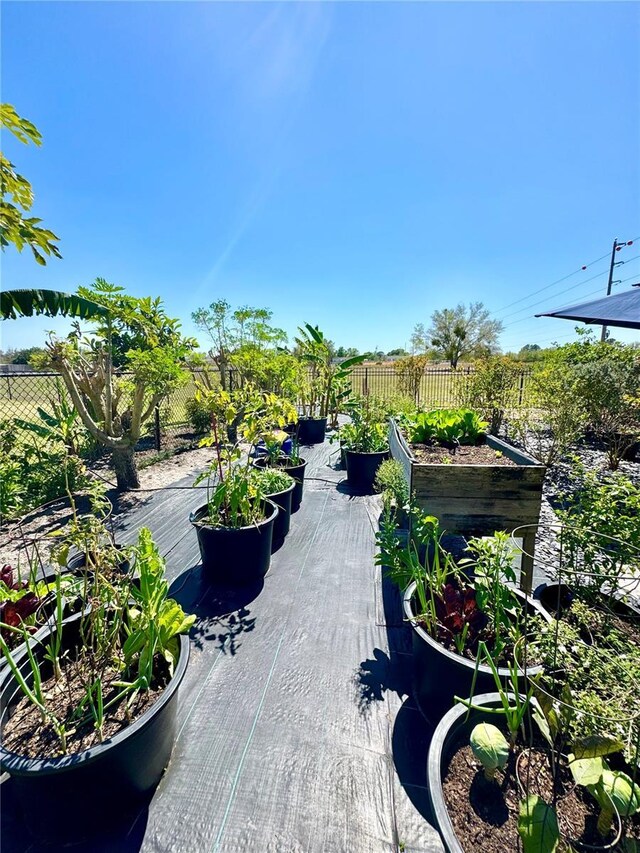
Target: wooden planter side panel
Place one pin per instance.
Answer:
(475, 499)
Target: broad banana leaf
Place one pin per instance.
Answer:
(27, 303)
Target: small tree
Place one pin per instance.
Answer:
(490, 389)
(410, 371)
(238, 337)
(461, 331)
(556, 416)
(113, 408)
(17, 196)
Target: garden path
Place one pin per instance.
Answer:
(296, 730)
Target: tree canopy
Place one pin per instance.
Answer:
(16, 228)
(457, 332)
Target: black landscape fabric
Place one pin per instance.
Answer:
(296, 729)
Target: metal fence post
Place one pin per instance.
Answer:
(156, 427)
(366, 382)
(521, 389)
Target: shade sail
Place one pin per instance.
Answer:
(622, 309)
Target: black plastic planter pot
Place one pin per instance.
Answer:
(362, 469)
(555, 598)
(235, 555)
(283, 520)
(295, 471)
(452, 730)
(70, 797)
(440, 674)
(312, 430)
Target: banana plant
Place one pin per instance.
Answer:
(328, 383)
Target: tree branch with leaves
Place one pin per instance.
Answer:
(16, 228)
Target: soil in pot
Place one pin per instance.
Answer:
(484, 814)
(26, 734)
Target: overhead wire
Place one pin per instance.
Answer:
(559, 281)
(566, 290)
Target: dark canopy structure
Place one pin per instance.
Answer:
(622, 309)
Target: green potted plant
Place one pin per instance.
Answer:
(325, 387)
(364, 441)
(452, 606)
(89, 709)
(560, 770)
(277, 486)
(235, 527)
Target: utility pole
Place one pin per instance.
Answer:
(616, 248)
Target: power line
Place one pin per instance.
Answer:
(553, 283)
(566, 290)
(558, 281)
(546, 299)
(532, 316)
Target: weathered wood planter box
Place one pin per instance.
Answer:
(478, 499)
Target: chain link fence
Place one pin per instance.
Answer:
(171, 428)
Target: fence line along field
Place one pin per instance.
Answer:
(21, 394)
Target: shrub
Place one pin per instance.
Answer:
(491, 389)
(410, 371)
(556, 415)
(33, 472)
(609, 389)
(392, 482)
(198, 414)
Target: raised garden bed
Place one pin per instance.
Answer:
(477, 499)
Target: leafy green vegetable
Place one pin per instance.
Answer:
(490, 747)
(538, 826)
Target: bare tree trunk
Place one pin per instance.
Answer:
(125, 468)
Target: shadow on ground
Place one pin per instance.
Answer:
(222, 615)
(384, 673)
(124, 833)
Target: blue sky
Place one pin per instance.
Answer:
(353, 165)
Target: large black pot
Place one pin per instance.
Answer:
(362, 469)
(440, 674)
(555, 598)
(235, 555)
(312, 430)
(69, 796)
(283, 520)
(295, 471)
(452, 731)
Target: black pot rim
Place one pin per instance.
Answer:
(367, 452)
(434, 759)
(311, 418)
(194, 518)
(301, 464)
(454, 657)
(20, 765)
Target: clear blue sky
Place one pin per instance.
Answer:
(353, 165)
